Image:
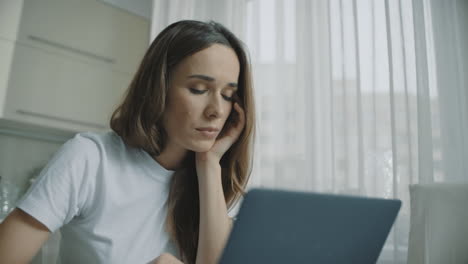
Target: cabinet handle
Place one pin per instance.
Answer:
(60, 119)
(71, 49)
(32, 134)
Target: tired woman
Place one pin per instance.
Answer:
(158, 186)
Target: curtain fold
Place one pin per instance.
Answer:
(355, 97)
(447, 33)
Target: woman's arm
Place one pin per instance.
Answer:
(215, 224)
(166, 258)
(21, 237)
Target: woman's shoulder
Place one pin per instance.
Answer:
(93, 143)
(96, 138)
(106, 143)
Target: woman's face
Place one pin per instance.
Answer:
(200, 98)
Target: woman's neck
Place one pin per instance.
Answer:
(172, 158)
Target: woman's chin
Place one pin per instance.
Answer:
(203, 146)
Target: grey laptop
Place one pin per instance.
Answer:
(276, 226)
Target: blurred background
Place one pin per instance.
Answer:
(363, 97)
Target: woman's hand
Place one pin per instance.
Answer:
(166, 258)
(231, 132)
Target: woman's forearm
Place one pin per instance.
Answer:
(215, 224)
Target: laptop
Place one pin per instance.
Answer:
(278, 226)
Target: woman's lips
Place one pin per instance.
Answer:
(208, 132)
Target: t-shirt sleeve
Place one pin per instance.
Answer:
(60, 190)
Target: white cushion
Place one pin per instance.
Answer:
(439, 223)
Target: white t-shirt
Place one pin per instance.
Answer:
(108, 200)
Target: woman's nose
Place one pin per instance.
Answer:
(214, 107)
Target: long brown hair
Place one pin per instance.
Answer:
(138, 120)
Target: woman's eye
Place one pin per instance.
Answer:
(196, 91)
(227, 98)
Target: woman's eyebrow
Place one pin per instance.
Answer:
(210, 79)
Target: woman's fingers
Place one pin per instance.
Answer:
(241, 115)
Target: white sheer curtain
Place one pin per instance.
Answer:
(358, 97)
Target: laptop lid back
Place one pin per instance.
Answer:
(276, 226)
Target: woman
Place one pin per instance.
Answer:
(157, 187)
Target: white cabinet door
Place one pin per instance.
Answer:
(88, 29)
(49, 89)
(66, 63)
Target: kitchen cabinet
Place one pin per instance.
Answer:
(66, 63)
(65, 93)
